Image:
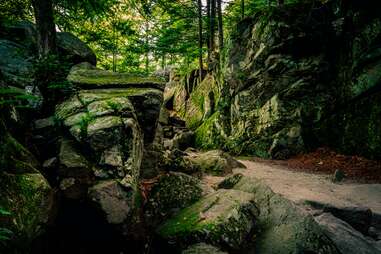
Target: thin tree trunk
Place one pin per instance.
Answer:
(220, 27)
(200, 38)
(243, 9)
(212, 25)
(46, 31)
(147, 52)
(208, 30)
(280, 2)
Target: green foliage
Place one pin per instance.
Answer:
(5, 234)
(10, 96)
(84, 123)
(114, 106)
(14, 10)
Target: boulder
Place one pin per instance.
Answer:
(115, 202)
(282, 226)
(16, 63)
(172, 192)
(29, 199)
(225, 217)
(75, 49)
(346, 238)
(203, 248)
(213, 162)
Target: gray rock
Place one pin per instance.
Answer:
(203, 248)
(283, 226)
(115, 203)
(346, 238)
(75, 49)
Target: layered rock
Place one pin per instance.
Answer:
(110, 120)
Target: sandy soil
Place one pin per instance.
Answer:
(300, 187)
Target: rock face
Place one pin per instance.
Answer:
(110, 119)
(295, 77)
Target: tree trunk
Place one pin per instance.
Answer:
(280, 2)
(199, 3)
(208, 30)
(242, 9)
(220, 27)
(46, 31)
(212, 25)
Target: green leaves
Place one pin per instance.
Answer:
(5, 234)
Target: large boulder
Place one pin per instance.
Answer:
(25, 194)
(172, 192)
(214, 162)
(346, 238)
(225, 218)
(74, 49)
(282, 226)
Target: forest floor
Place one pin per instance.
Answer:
(300, 187)
(325, 161)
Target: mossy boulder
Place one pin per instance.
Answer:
(225, 217)
(214, 162)
(30, 200)
(172, 192)
(283, 227)
(14, 157)
(86, 76)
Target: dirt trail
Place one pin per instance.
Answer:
(300, 187)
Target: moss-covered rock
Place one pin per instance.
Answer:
(30, 200)
(86, 76)
(171, 193)
(283, 227)
(213, 162)
(225, 217)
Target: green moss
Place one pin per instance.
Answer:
(223, 217)
(102, 78)
(27, 197)
(207, 136)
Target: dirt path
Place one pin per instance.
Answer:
(300, 187)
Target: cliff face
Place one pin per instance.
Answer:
(303, 76)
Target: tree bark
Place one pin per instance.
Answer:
(199, 3)
(220, 27)
(242, 9)
(46, 31)
(208, 30)
(280, 2)
(212, 25)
